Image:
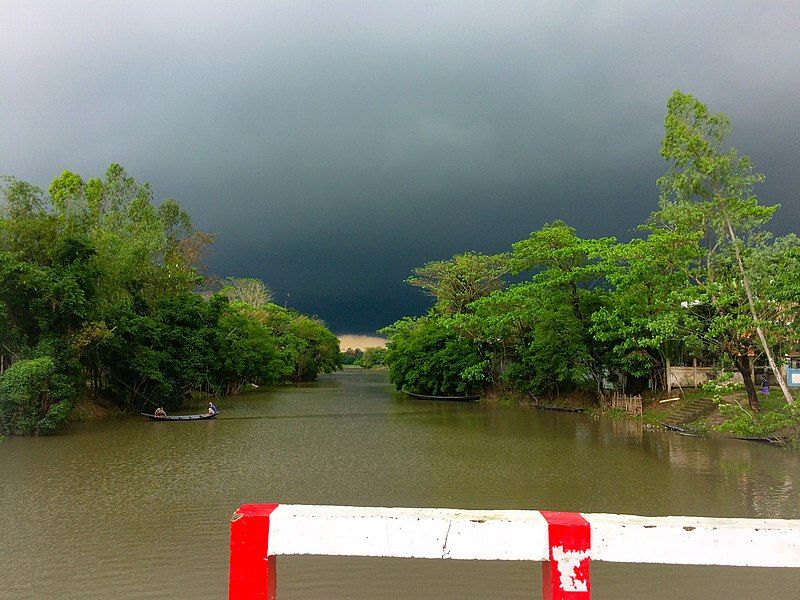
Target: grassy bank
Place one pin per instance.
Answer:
(730, 415)
(727, 412)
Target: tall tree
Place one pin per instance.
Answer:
(570, 268)
(710, 190)
(648, 281)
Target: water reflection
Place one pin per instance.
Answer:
(86, 513)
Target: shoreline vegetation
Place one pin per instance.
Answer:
(105, 307)
(726, 415)
(702, 280)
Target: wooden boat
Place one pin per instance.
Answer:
(778, 441)
(571, 409)
(201, 417)
(449, 398)
(684, 430)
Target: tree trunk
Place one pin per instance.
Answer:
(668, 381)
(743, 366)
(787, 395)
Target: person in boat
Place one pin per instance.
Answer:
(212, 408)
(160, 412)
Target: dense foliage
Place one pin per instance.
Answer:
(374, 356)
(367, 358)
(352, 356)
(706, 279)
(427, 355)
(98, 297)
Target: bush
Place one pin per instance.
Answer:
(427, 357)
(25, 401)
(740, 421)
(723, 384)
(373, 357)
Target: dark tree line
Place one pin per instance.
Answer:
(705, 278)
(98, 298)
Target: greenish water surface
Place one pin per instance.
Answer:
(127, 508)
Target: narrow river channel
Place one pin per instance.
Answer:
(127, 508)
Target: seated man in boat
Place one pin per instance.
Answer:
(212, 408)
(160, 412)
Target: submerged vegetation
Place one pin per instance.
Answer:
(705, 279)
(99, 298)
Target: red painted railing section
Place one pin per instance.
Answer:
(566, 576)
(252, 573)
(563, 542)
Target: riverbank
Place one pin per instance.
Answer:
(777, 422)
(87, 409)
(509, 397)
(694, 411)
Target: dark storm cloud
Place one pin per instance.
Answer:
(334, 146)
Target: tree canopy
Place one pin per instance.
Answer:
(705, 279)
(98, 297)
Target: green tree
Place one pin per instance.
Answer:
(373, 357)
(307, 346)
(461, 280)
(248, 354)
(649, 281)
(26, 404)
(352, 356)
(568, 271)
(427, 356)
(709, 190)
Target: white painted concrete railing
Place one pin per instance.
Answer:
(563, 542)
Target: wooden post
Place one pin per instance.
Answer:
(669, 378)
(694, 371)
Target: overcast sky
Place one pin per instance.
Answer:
(334, 146)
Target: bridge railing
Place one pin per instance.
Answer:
(563, 542)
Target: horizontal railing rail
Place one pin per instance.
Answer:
(563, 542)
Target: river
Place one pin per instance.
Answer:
(127, 508)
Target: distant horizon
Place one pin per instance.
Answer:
(360, 342)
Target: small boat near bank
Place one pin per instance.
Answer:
(471, 398)
(571, 409)
(200, 417)
(684, 430)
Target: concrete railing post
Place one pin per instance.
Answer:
(252, 567)
(566, 575)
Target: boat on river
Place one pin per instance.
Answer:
(201, 417)
(450, 398)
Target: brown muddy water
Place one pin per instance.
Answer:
(127, 508)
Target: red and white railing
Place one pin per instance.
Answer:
(563, 542)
